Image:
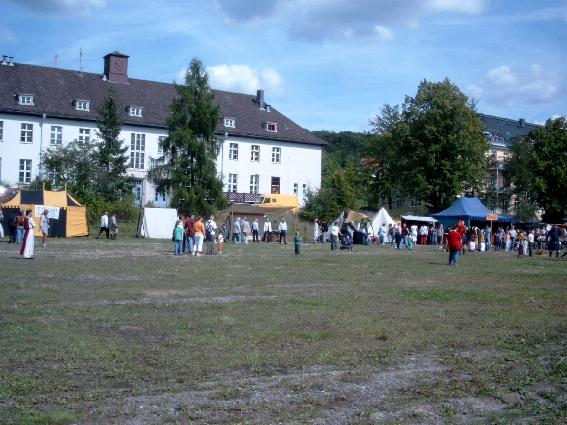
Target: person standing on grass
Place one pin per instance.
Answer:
(104, 226)
(255, 230)
(244, 230)
(199, 230)
(1, 223)
(283, 231)
(20, 226)
(44, 226)
(335, 232)
(236, 233)
(423, 231)
(554, 240)
(211, 234)
(113, 226)
(297, 243)
(189, 233)
(178, 238)
(13, 228)
(220, 242)
(28, 240)
(267, 230)
(454, 244)
(316, 231)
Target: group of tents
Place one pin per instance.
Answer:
(468, 210)
(68, 217)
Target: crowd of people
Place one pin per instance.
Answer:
(192, 234)
(523, 242)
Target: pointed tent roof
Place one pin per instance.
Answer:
(467, 209)
(42, 197)
(381, 216)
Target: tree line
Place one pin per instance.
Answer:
(432, 149)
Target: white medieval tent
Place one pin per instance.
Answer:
(381, 217)
(156, 223)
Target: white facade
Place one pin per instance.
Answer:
(296, 165)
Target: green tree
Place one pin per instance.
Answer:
(443, 149)
(537, 170)
(385, 148)
(110, 154)
(187, 168)
(519, 173)
(338, 192)
(73, 166)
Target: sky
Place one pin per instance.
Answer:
(326, 64)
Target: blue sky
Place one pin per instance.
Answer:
(327, 64)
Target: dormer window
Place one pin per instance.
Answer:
(229, 122)
(25, 99)
(135, 111)
(82, 105)
(272, 126)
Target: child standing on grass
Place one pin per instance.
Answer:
(297, 243)
(178, 238)
(220, 240)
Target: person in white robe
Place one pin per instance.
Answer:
(28, 241)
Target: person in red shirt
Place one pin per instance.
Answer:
(454, 244)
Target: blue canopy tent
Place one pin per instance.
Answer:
(468, 209)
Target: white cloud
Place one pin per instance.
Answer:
(458, 6)
(319, 20)
(383, 33)
(244, 79)
(61, 6)
(506, 86)
(7, 36)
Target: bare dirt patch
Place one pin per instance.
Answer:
(316, 394)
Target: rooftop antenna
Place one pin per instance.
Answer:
(80, 59)
(56, 61)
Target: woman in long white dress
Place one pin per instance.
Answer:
(28, 242)
(316, 231)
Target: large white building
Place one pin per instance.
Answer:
(262, 150)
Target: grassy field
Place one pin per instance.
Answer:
(96, 331)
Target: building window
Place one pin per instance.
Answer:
(137, 190)
(254, 184)
(232, 182)
(304, 189)
(137, 150)
(229, 122)
(25, 170)
(275, 185)
(84, 135)
(233, 151)
(295, 188)
(56, 135)
(82, 105)
(398, 202)
(25, 99)
(276, 155)
(255, 153)
(26, 134)
(135, 111)
(161, 139)
(1, 131)
(272, 126)
(159, 197)
(414, 203)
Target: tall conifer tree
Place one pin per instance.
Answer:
(187, 168)
(111, 153)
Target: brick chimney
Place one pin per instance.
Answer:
(260, 99)
(116, 67)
